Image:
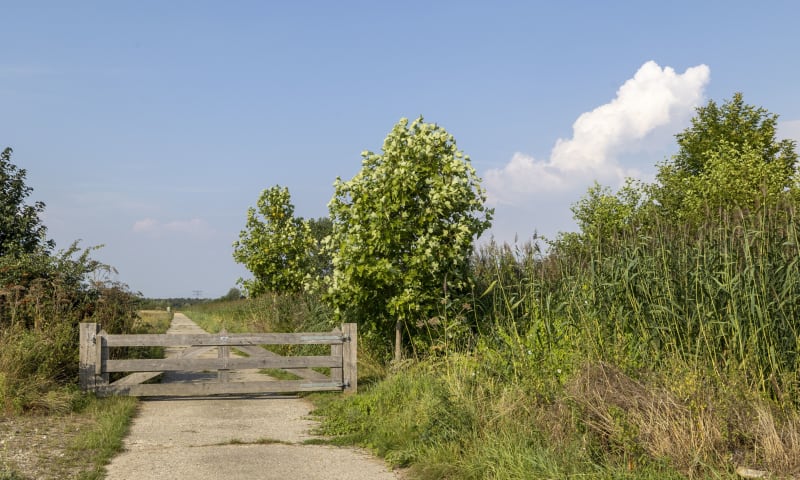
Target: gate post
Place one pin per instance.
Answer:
(350, 357)
(223, 352)
(88, 361)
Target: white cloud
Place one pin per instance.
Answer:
(147, 225)
(654, 99)
(194, 227)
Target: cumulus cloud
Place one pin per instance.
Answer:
(193, 227)
(654, 99)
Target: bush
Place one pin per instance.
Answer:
(43, 298)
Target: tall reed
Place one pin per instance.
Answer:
(724, 295)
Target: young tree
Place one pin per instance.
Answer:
(21, 230)
(728, 157)
(274, 245)
(321, 263)
(403, 228)
(601, 214)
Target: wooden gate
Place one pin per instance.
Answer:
(96, 364)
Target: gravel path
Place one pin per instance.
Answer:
(233, 438)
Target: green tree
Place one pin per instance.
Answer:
(321, 262)
(274, 245)
(601, 214)
(21, 230)
(233, 294)
(728, 157)
(403, 229)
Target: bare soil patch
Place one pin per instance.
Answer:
(38, 446)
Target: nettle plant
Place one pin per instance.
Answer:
(403, 229)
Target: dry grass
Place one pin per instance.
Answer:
(636, 418)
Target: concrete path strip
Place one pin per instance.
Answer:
(233, 438)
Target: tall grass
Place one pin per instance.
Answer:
(271, 312)
(725, 295)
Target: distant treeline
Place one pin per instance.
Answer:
(185, 302)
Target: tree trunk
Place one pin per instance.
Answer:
(398, 341)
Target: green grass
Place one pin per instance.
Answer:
(458, 426)
(259, 441)
(99, 443)
(153, 321)
(267, 313)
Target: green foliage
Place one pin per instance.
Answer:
(728, 157)
(403, 228)
(233, 294)
(738, 124)
(600, 214)
(275, 245)
(43, 298)
(321, 261)
(733, 177)
(21, 230)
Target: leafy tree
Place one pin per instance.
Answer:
(733, 176)
(403, 228)
(233, 294)
(274, 245)
(21, 230)
(728, 157)
(321, 262)
(600, 214)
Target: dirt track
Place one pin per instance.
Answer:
(233, 438)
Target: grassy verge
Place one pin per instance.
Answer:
(100, 442)
(462, 425)
(74, 445)
(67, 434)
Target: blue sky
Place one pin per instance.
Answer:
(150, 127)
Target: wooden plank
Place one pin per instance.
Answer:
(233, 339)
(86, 362)
(336, 351)
(141, 377)
(350, 357)
(192, 352)
(101, 352)
(135, 378)
(223, 353)
(305, 373)
(98, 347)
(230, 388)
(196, 364)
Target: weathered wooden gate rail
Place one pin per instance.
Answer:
(95, 364)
